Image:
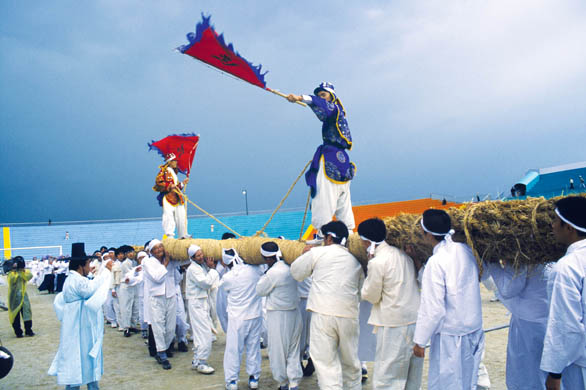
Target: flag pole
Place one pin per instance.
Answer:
(283, 95)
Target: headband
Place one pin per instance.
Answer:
(581, 229)
(372, 246)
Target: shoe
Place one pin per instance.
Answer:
(29, 333)
(171, 347)
(145, 334)
(294, 388)
(127, 333)
(364, 374)
(205, 369)
(309, 369)
(3, 306)
(158, 358)
(252, 383)
(166, 365)
(121, 329)
(19, 336)
(114, 325)
(182, 347)
(169, 353)
(231, 386)
(284, 387)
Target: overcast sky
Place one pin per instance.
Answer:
(457, 98)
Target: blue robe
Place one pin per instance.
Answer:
(336, 138)
(79, 308)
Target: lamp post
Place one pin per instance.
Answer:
(245, 193)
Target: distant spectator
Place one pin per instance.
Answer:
(49, 221)
(571, 184)
(67, 235)
(582, 185)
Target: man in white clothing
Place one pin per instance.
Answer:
(200, 277)
(127, 297)
(115, 286)
(564, 346)
(337, 277)
(134, 278)
(244, 323)
(159, 271)
(450, 313)
(283, 318)
(391, 286)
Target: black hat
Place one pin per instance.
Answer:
(572, 210)
(18, 262)
(5, 362)
(436, 222)
(373, 229)
(78, 256)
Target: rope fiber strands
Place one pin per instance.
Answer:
(517, 232)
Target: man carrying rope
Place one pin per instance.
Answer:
(173, 204)
(331, 169)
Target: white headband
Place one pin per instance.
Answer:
(447, 235)
(343, 242)
(581, 229)
(228, 259)
(271, 254)
(372, 246)
(192, 250)
(154, 242)
(141, 254)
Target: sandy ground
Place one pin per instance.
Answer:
(128, 366)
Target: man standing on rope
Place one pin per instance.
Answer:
(174, 213)
(331, 169)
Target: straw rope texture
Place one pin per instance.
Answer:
(516, 232)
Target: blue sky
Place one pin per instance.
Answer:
(450, 98)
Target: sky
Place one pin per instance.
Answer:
(446, 98)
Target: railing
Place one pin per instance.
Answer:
(4, 250)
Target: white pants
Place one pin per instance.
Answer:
(141, 319)
(331, 199)
(174, 216)
(182, 325)
(524, 349)
(454, 361)
(334, 352)
(222, 308)
(212, 305)
(242, 334)
(201, 328)
(108, 307)
(163, 320)
(395, 366)
(305, 326)
(116, 304)
(128, 302)
(284, 332)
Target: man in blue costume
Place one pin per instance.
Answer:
(79, 358)
(564, 346)
(331, 169)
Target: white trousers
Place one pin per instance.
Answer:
(128, 302)
(284, 332)
(213, 295)
(141, 319)
(305, 326)
(182, 325)
(108, 307)
(163, 320)
(524, 349)
(331, 199)
(454, 361)
(334, 352)
(395, 366)
(116, 304)
(201, 328)
(242, 334)
(174, 216)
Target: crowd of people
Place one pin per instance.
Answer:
(308, 313)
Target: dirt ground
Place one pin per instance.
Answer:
(127, 364)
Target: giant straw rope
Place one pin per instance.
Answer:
(516, 232)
